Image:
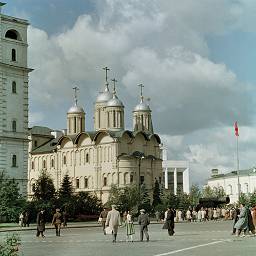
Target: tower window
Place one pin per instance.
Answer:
(13, 55)
(14, 89)
(33, 187)
(14, 126)
(32, 165)
(12, 34)
(35, 143)
(14, 161)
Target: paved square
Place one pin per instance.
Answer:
(209, 238)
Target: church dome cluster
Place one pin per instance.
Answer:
(109, 112)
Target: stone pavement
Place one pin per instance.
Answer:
(210, 239)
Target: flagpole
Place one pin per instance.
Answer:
(237, 159)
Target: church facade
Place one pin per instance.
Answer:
(96, 159)
(14, 99)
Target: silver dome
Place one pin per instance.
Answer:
(115, 102)
(75, 109)
(142, 107)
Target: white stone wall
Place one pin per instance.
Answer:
(14, 105)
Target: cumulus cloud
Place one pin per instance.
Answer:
(162, 44)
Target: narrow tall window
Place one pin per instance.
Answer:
(13, 55)
(77, 183)
(64, 160)
(32, 165)
(105, 181)
(85, 182)
(14, 161)
(44, 164)
(87, 158)
(14, 88)
(74, 124)
(131, 178)
(52, 163)
(14, 126)
(35, 143)
(114, 118)
(141, 180)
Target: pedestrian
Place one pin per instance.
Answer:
(103, 218)
(113, 221)
(26, 219)
(129, 227)
(40, 221)
(188, 215)
(56, 221)
(169, 221)
(157, 214)
(254, 216)
(65, 218)
(242, 223)
(143, 221)
(21, 219)
(235, 218)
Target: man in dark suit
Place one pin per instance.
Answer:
(143, 221)
(169, 221)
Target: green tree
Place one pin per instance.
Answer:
(44, 188)
(156, 194)
(208, 192)
(195, 194)
(144, 199)
(66, 190)
(11, 203)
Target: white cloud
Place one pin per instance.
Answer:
(163, 45)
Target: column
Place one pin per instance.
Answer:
(175, 181)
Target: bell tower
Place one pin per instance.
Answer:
(14, 99)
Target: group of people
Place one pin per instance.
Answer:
(112, 220)
(24, 219)
(58, 220)
(244, 221)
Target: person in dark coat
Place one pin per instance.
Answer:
(143, 221)
(103, 216)
(40, 221)
(26, 219)
(56, 221)
(169, 221)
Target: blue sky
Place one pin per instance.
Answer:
(195, 58)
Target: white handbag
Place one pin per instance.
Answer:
(108, 230)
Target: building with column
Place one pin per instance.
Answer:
(14, 99)
(229, 182)
(176, 174)
(108, 155)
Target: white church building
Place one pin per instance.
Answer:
(94, 160)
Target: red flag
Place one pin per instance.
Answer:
(236, 129)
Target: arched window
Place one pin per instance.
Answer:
(35, 143)
(32, 165)
(52, 163)
(14, 125)
(64, 160)
(77, 183)
(85, 182)
(44, 164)
(131, 178)
(87, 158)
(14, 161)
(14, 88)
(105, 181)
(13, 55)
(12, 34)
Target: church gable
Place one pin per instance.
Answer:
(103, 137)
(84, 140)
(66, 143)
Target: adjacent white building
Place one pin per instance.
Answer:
(229, 182)
(176, 175)
(14, 99)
